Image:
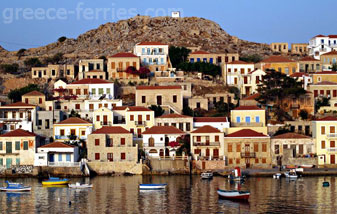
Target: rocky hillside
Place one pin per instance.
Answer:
(110, 38)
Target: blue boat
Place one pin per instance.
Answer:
(152, 186)
(55, 181)
(15, 187)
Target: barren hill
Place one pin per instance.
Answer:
(120, 36)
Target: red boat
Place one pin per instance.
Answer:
(233, 194)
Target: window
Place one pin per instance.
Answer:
(132, 131)
(332, 129)
(256, 160)
(77, 106)
(238, 161)
(188, 126)
(264, 160)
(238, 119)
(256, 147)
(148, 117)
(132, 117)
(97, 156)
(60, 157)
(181, 126)
(25, 145)
(62, 132)
(122, 156)
(26, 100)
(323, 144)
(217, 138)
(257, 119)
(174, 98)
(198, 138)
(332, 144)
(238, 147)
(151, 142)
(96, 142)
(72, 131)
(68, 157)
(0, 145)
(40, 100)
(247, 119)
(230, 161)
(17, 145)
(143, 99)
(78, 91)
(264, 147)
(100, 91)
(230, 147)
(122, 141)
(277, 149)
(322, 129)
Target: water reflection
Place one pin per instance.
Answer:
(184, 194)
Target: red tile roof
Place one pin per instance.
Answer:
(18, 133)
(246, 133)
(328, 118)
(330, 53)
(206, 129)
(290, 135)
(163, 130)
(74, 120)
(299, 74)
(124, 54)
(174, 116)
(239, 62)
(151, 43)
(252, 97)
(33, 93)
(332, 36)
(245, 108)
(308, 58)
(210, 119)
(90, 81)
(57, 145)
(18, 104)
(277, 59)
(325, 83)
(111, 130)
(158, 87)
(199, 52)
(131, 108)
(320, 35)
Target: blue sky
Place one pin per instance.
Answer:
(33, 23)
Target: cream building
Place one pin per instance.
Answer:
(198, 102)
(86, 65)
(182, 122)
(72, 126)
(328, 60)
(309, 64)
(299, 48)
(35, 98)
(102, 117)
(112, 144)
(235, 70)
(95, 74)
(118, 63)
(281, 47)
(54, 71)
(18, 147)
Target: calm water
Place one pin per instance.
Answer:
(184, 195)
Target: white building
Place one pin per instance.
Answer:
(153, 54)
(235, 70)
(220, 123)
(57, 154)
(96, 88)
(321, 44)
(161, 141)
(72, 126)
(175, 14)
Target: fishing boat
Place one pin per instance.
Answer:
(55, 181)
(152, 186)
(15, 187)
(291, 174)
(77, 185)
(233, 194)
(236, 175)
(206, 175)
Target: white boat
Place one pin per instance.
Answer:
(236, 175)
(277, 175)
(291, 174)
(15, 187)
(206, 175)
(308, 166)
(80, 186)
(152, 186)
(233, 194)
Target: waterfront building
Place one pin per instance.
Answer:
(162, 141)
(324, 89)
(112, 144)
(119, 63)
(57, 154)
(224, 97)
(251, 81)
(235, 70)
(304, 78)
(322, 44)
(182, 122)
(18, 148)
(207, 143)
(198, 102)
(95, 74)
(73, 128)
(250, 100)
(247, 148)
(278, 63)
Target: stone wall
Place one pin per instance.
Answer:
(45, 171)
(104, 168)
(209, 165)
(171, 166)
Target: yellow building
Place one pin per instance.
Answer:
(299, 48)
(324, 131)
(102, 117)
(35, 98)
(72, 126)
(309, 64)
(18, 147)
(279, 63)
(323, 76)
(118, 63)
(280, 47)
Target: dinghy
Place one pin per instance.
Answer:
(15, 187)
(233, 194)
(77, 185)
(152, 186)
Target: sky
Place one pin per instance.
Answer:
(34, 23)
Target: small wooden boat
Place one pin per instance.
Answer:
(206, 175)
(291, 174)
(277, 176)
(15, 187)
(307, 166)
(152, 186)
(55, 181)
(233, 194)
(290, 166)
(77, 185)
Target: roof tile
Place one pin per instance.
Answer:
(18, 133)
(206, 129)
(111, 130)
(246, 133)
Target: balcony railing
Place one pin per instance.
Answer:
(206, 144)
(140, 123)
(331, 135)
(331, 149)
(248, 155)
(153, 53)
(105, 123)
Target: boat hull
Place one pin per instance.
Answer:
(233, 195)
(24, 189)
(83, 186)
(52, 183)
(152, 186)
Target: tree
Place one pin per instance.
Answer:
(188, 111)
(54, 59)
(334, 67)
(62, 39)
(158, 111)
(204, 67)
(324, 101)
(20, 53)
(32, 62)
(178, 55)
(185, 145)
(255, 58)
(143, 72)
(9, 68)
(16, 94)
(102, 57)
(304, 114)
(283, 130)
(74, 113)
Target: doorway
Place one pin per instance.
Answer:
(159, 100)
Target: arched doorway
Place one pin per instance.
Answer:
(153, 152)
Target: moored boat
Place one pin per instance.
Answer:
(277, 175)
(77, 185)
(15, 187)
(236, 175)
(307, 166)
(55, 181)
(233, 194)
(291, 174)
(152, 186)
(206, 175)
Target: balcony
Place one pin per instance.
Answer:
(153, 54)
(331, 149)
(106, 123)
(248, 155)
(331, 135)
(206, 144)
(140, 123)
